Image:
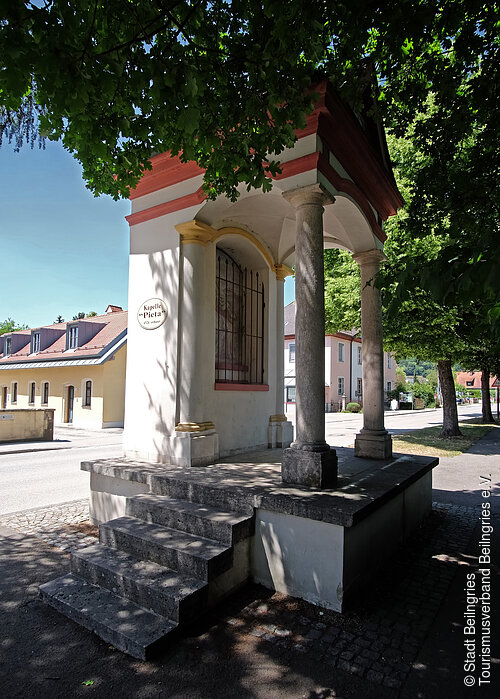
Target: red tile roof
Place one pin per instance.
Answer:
(114, 326)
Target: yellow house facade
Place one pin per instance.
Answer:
(76, 368)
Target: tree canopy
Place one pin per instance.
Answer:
(9, 325)
(225, 82)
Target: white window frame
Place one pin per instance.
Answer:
(291, 353)
(389, 360)
(341, 386)
(360, 355)
(72, 337)
(341, 352)
(7, 347)
(13, 393)
(35, 343)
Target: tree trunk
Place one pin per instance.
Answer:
(485, 395)
(450, 412)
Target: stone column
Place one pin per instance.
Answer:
(196, 442)
(309, 461)
(280, 432)
(373, 441)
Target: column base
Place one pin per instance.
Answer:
(313, 469)
(373, 445)
(195, 448)
(279, 432)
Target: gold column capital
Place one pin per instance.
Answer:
(196, 232)
(282, 271)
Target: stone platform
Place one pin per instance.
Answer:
(321, 546)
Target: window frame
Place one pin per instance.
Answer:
(341, 352)
(32, 393)
(340, 386)
(291, 353)
(360, 355)
(13, 392)
(87, 399)
(45, 390)
(7, 349)
(72, 334)
(35, 343)
(359, 387)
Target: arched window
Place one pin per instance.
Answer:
(239, 339)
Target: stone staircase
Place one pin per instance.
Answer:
(156, 568)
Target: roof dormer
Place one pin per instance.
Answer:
(80, 332)
(41, 338)
(13, 342)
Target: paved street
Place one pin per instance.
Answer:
(50, 474)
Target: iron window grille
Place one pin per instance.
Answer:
(239, 339)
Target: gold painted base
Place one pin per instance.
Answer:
(194, 426)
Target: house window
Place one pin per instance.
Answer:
(35, 343)
(45, 393)
(359, 388)
(239, 338)
(389, 361)
(389, 386)
(8, 345)
(341, 385)
(73, 337)
(13, 393)
(341, 351)
(469, 383)
(291, 352)
(290, 394)
(87, 398)
(4, 397)
(32, 392)
(360, 356)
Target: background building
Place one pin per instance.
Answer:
(77, 368)
(343, 365)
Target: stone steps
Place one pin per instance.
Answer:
(192, 517)
(125, 625)
(153, 587)
(155, 568)
(189, 554)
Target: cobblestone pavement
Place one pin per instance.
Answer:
(379, 641)
(66, 526)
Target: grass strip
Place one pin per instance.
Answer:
(428, 441)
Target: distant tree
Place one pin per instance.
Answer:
(342, 292)
(9, 325)
(59, 319)
(91, 314)
(79, 316)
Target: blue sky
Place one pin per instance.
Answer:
(61, 249)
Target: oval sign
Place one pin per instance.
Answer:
(152, 313)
